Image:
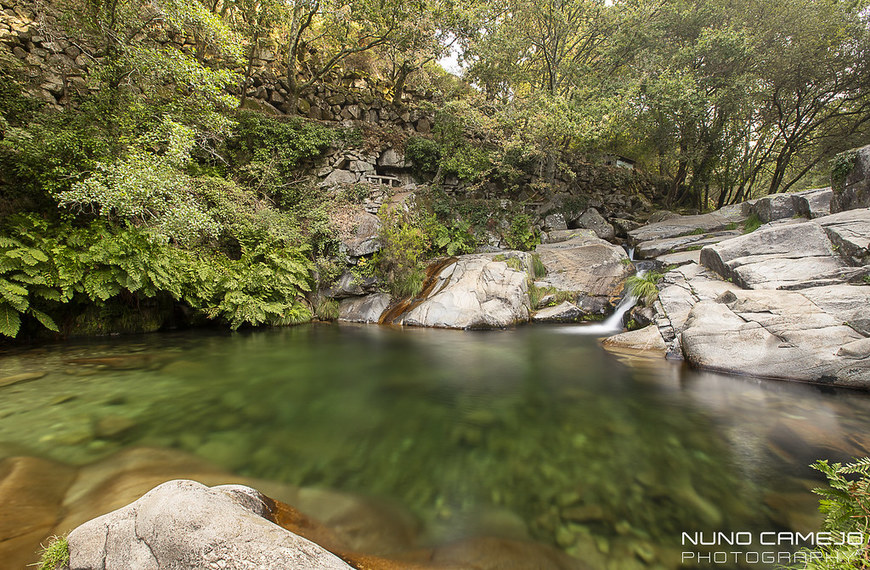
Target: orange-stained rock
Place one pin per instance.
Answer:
(31, 494)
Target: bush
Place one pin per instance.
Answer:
(521, 233)
(99, 263)
(267, 151)
(424, 154)
(326, 309)
(400, 261)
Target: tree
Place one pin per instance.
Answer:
(320, 34)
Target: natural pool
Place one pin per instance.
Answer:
(526, 432)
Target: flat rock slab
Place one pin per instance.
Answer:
(681, 289)
(585, 264)
(474, 292)
(724, 219)
(775, 334)
(680, 258)
(655, 248)
(183, 524)
(780, 256)
(848, 304)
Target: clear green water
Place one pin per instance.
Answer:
(472, 432)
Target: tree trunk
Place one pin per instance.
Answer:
(399, 85)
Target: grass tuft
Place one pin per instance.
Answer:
(538, 268)
(54, 555)
(644, 287)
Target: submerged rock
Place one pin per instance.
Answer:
(31, 492)
(184, 524)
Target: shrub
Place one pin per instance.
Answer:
(326, 309)
(424, 154)
(405, 244)
(98, 263)
(521, 233)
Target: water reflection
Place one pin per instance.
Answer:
(515, 433)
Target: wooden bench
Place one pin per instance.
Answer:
(390, 181)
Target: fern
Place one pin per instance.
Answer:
(94, 265)
(845, 502)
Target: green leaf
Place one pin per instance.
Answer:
(10, 320)
(44, 319)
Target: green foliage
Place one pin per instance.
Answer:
(44, 266)
(845, 502)
(538, 268)
(752, 223)
(54, 555)
(400, 261)
(326, 309)
(521, 233)
(841, 166)
(644, 287)
(266, 152)
(453, 238)
(149, 188)
(423, 153)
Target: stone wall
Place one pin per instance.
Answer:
(55, 67)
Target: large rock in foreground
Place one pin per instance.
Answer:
(475, 292)
(183, 524)
(776, 334)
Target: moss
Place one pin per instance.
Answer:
(55, 554)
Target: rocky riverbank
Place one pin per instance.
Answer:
(775, 287)
(787, 300)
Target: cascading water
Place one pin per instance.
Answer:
(613, 323)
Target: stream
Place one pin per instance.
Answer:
(529, 433)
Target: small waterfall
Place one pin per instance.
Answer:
(613, 323)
